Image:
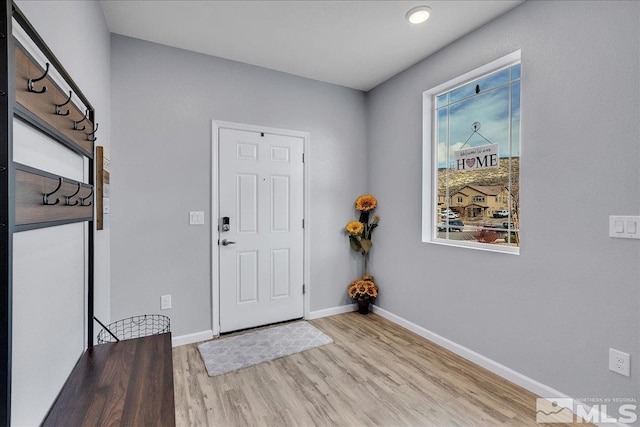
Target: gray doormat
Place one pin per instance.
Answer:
(230, 354)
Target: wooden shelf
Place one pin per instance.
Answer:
(128, 383)
(43, 105)
(32, 184)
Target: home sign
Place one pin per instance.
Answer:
(476, 158)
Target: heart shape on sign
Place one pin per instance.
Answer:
(471, 162)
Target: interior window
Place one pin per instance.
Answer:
(474, 140)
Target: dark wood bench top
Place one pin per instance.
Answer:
(128, 383)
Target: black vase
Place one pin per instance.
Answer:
(363, 306)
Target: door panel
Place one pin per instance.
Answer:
(247, 203)
(261, 190)
(280, 265)
(280, 204)
(247, 277)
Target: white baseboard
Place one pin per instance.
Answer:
(331, 311)
(191, 338)
(493, 366)
(505, 372)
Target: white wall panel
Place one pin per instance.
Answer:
(33, 148)
(48, 316)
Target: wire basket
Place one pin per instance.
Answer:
(135, 327)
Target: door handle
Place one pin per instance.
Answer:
(226, 242)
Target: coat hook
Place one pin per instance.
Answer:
(47, 195)
(59, 111)
(82, 199)
(92, 136)
(75, 124)
(67, 199)
(32, 81)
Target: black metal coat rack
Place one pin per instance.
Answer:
(32, 198)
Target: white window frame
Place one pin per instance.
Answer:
(430, 171)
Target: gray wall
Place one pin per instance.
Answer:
(552, 312)
(164, 100)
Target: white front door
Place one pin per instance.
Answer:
(261, 255)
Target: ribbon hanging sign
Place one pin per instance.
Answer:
(476, 158)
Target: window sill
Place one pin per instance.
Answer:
(510, 250)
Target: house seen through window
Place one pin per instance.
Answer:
(475, 157)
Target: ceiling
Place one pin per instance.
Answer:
(357, 44)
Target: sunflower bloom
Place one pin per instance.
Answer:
(352, 291)
(366, 203)
(372, 292)
(354, 227)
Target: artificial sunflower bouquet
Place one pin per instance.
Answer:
(363, 290)
(360, 231)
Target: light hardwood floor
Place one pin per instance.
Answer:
(375, 373)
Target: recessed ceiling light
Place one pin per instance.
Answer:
(418, 14)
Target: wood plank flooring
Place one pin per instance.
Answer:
(374, 374)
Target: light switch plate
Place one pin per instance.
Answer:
(624, 227)
(196, 218)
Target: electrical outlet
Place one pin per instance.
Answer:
(165, 302)
(619, 362)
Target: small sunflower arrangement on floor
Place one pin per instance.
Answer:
(363, 290)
